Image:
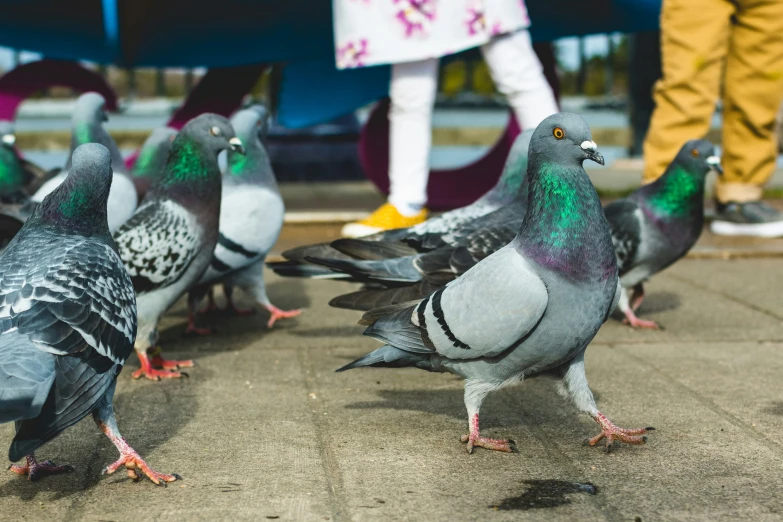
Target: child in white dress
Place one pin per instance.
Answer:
(412, 35)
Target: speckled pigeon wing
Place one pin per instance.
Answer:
(67, 298)
(157, 244)
(625, 222)
(486, 311)
(484, 242)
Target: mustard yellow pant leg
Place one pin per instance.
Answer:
(694, 44)
(752, 96)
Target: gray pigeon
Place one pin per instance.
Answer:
(67, 320)
(87, 127)
(657, 224)
(168, 243)
(251, 217)
(152, 159)
(433, 233)
(529, 309)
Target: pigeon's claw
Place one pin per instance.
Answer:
(36, 470)
(148, 371)
(635, 322)
(610, 432)
(637, 297)
(276, 313)
(474, 439)
(134, 464)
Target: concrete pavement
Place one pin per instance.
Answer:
(265, 430)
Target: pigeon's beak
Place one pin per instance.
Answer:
(714, 163)
(236, 145)
(9, 139)
(591, 152)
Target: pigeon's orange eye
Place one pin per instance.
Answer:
(695, 153)
(558, 133)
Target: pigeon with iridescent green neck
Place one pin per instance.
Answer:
(439, 231)
(67, 321)
(251, 217)
(87, 122)
(529, 309)
(657, 224)
(152, 159)
(167, 244)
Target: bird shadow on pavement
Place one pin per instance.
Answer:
(350, 331)
(148, 413)
(775, 408)
(500, 410)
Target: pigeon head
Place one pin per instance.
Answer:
(679, 192)
(253, 121)
(90, 111)
(212, 132)
(154, 153)
(698, 157)
(78, 205)
(565, 138)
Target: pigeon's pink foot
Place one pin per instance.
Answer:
(36, 470)
(277, 313)
(475, 440)
(169, 364)
(635, 322)
(193, 329)
(610, 432)
(154, 374)
(133, 462)
(637, 297)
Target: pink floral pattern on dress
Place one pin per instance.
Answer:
(475, 20)
(352, 54)
(496, 29)
(415, 15)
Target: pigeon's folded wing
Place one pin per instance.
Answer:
(624, 217)
(158, 244)
(486, 311)
(68, 298)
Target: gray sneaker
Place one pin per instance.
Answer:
(754, 218)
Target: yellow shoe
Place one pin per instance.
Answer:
(386, 217)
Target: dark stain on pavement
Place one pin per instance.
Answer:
(776, 408)
(545, 494)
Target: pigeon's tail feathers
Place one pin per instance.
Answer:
(434, 262)
(80, 383)
(325, 250)
(371, 298)
(390, 357)
(389, 271)
(371, 316)
(305, 270)
(26, 376)
(372, 250)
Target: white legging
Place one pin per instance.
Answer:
(518, 75)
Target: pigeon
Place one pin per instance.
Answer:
(658, 223)
(167, 244)
(67, 320)
(529, 309)
(152, 159)
(87, 127)
(251, 217)
(433, 233)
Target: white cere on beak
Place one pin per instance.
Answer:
(589, 145)
(9, 139)
(713, 161)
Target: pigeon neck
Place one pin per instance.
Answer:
(87, 131)
(75, 207)
(564, 228)
(254, 165)
(191, 173)
(678, 193)
(12, 176)
(511, 179)
(150, 162)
